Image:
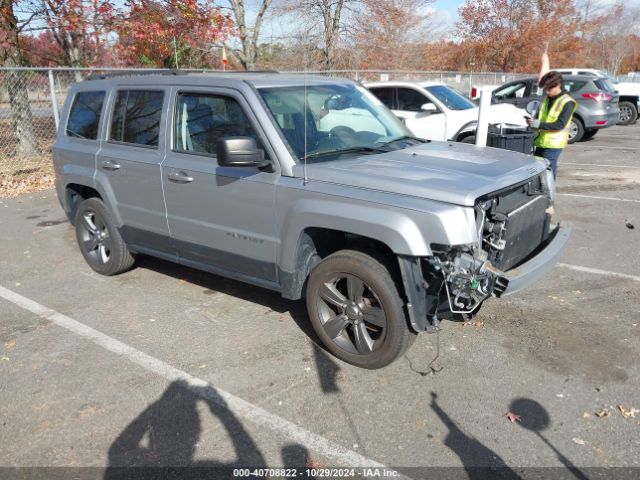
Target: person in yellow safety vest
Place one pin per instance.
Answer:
(553, 119)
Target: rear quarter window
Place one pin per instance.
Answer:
(84, 116)
(604, 85)
(136, 117)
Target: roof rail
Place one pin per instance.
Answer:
(132, 73)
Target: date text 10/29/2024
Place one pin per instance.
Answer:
(306, 472)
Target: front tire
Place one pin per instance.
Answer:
(576, 130)
(99, 240)
(356, 310)
(628, 113)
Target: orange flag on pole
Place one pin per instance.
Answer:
(544, 68)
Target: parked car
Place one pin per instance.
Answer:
(629, 92)
(308, 186)
(596, 98)
(435, 111)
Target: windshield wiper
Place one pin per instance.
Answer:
(405, 137)
(346, 150)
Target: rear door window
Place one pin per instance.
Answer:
(84, 116)
(514, 90)
(571, 86)
(385, 95)
(136, 117)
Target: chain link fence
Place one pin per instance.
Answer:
(30, 99)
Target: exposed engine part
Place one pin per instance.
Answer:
(468, 278)
(510, 225)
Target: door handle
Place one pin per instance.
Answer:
(180, 177)
(109, 165)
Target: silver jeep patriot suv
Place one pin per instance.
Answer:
(304, 185)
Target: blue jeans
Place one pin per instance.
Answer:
(550, 154)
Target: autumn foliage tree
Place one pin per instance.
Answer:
(387, 32)
(12, 55)
(510, 35)
(161, 34)
(77, 28)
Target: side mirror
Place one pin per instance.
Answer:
(532, 107)
(429, 108)
(239, 152)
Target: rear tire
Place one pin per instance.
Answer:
(576, 130)
(356, 310)
(589, 133)
(628, 113)
(99, 240)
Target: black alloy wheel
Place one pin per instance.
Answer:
(356, 310)
(99, 240)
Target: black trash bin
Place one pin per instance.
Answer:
(512, 137)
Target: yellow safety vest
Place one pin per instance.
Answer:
(554, 138)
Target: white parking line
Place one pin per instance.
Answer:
(594, 197)
(236, 405)
(596, 271)
(597, 147)
(598, 165)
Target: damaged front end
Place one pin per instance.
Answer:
(512, 228)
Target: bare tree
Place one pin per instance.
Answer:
(613, 34)
(386, 32)
(324, 36)
(12, 56)
(248, 53)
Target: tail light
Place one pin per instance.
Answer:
(474, 92)
(598, 96)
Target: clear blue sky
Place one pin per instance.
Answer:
(449, 6)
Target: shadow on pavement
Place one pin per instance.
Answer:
(480, 462)
(162, 441)
(214, 283)
(534, 417)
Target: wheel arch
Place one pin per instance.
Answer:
(74, 194)
(317, 243)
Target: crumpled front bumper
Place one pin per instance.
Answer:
(524, 275)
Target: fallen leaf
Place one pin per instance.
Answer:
(604, 412)
(512, 417)
(311, 463)
(577, 440)
(476, 324)
(10, 344)
(628, 412)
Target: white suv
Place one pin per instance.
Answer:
(435, 111)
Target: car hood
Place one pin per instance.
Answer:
(443, 171)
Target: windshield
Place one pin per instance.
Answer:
(451, 99)
(340, 118)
